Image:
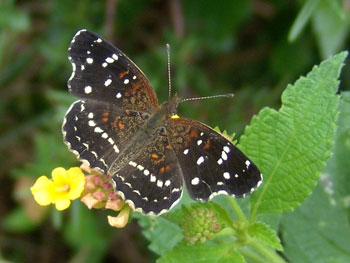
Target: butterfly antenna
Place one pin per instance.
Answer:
(229, 95)
(169, 74)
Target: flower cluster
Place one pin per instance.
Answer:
(94, 190)
(200, 224)
(99, 193)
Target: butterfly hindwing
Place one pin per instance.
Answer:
(102, 72)
(151, 182)
(210, 163)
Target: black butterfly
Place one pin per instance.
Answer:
(118, 127)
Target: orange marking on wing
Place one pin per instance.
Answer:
(154, 156)
(127, 112)
(114, 123)
(194, 134)
(105, 116)
(162, 170)
(121, 75)
(121, 125)
(168, 168)
(207, 145)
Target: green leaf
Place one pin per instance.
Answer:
(201, 253)
(265, 234)
(162, 233)
(330, 28)
(318, 231)
(17, 221)
(302, 19)
(337, 171)
(290, 146)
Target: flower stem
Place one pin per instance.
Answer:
(266, 252)
(237, 209)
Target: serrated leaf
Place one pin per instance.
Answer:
(290, 146)
(265, 234)
(209, 252)
(317, 231)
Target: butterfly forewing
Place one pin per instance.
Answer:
(210, 163)
(102, 72)
(97, 132)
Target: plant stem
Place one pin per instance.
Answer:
(268, 253)
(237, 209)
(253, 256)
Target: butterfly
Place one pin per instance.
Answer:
(118, 127)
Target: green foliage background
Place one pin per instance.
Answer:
(253, 48)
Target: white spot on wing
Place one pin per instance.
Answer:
(186, 151)
(200, 160)
(195, 181)
(109, 60)
(119, 95)
(87, 89)
(227, 149)
(220, 161)
(153, 178)
(115, 56)
(98, 130)
(116, 149)
(133, 163)
(199, 142)
(160, 183)
(247, 163)
(224, 155)
(108, 82)
(167, 183)
(92, 123)
(89, 60)
(126, 81)
(227, 175)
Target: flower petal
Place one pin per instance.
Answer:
(58, 173)
(77, 182)
(41, 191)
(62, 203)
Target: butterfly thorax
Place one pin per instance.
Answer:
(155, 125)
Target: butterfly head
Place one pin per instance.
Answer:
(170, 106)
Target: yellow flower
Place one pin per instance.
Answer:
(66, 185)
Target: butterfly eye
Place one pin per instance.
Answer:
(144, 115)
